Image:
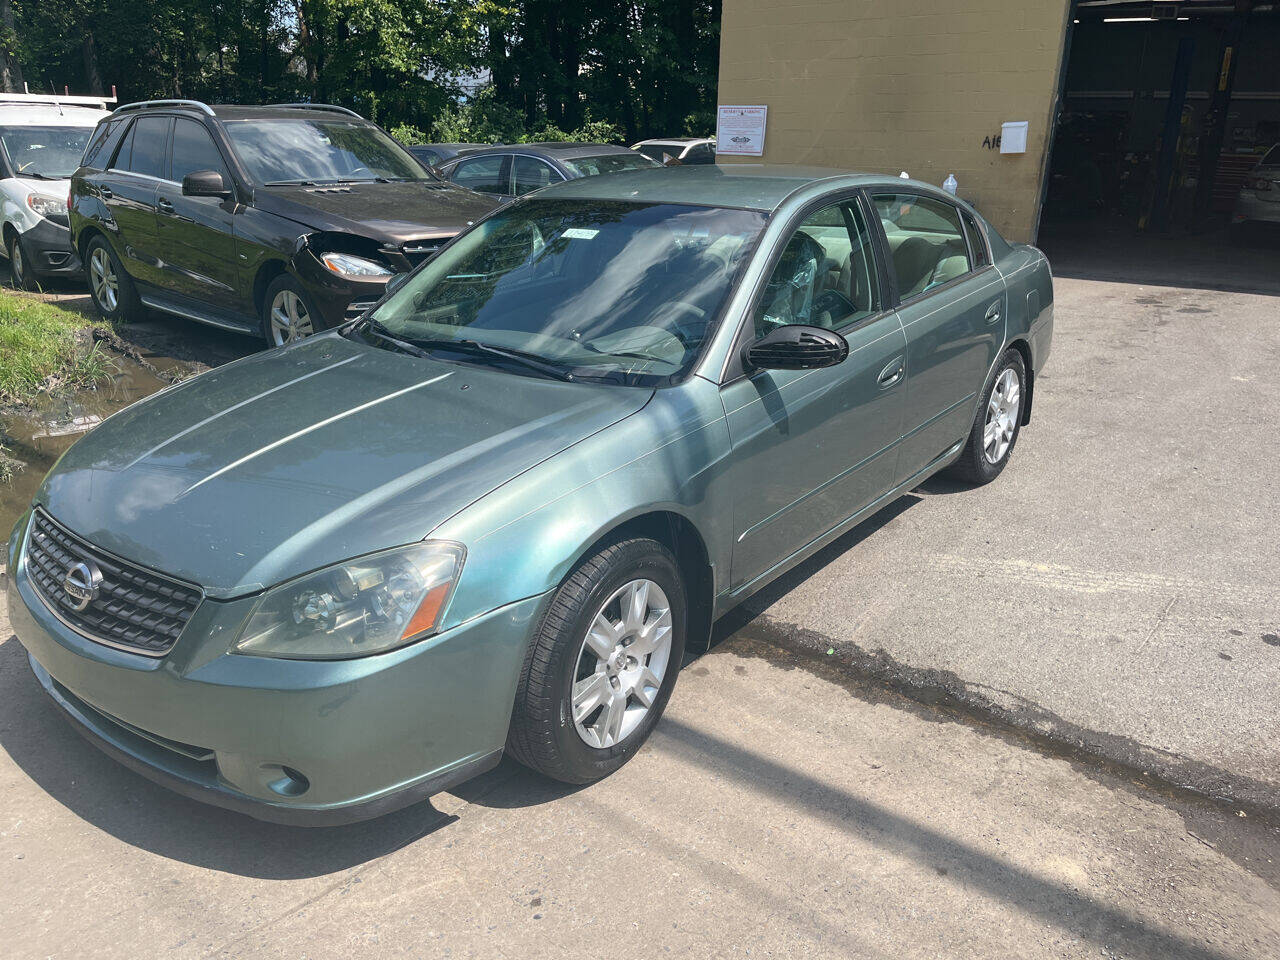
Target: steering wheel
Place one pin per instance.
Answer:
(678, 330)
(356, 170)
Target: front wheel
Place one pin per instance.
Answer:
(287, 313)
(998, 421)
(111, 288)
(602, 664)
(19, 270)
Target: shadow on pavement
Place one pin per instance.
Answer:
(1071, 910)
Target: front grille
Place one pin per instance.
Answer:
(134, 608)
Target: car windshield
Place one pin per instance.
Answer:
(320, 151)
(622, 291)
(1272, 159)
(609, 163)
(51, 153)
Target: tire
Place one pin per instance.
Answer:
(984, 458)
(545, 734)
(297, 317)
(110, 287)
(21, 276)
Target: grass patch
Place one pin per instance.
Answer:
(44, 348)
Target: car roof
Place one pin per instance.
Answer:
(449, 146)
(749, 186)
(552, 150)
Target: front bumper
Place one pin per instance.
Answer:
(48, 249)
(1253, 209)
(291, 741)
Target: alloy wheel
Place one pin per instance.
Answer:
(622, 661)
(1002, 416)
(290, 319)
(103, 280)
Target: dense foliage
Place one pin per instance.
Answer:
(443, 69)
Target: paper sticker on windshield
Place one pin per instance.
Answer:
(579, 233)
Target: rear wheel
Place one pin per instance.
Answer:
(287, 313)
(111, 288)
(998, 421)
(602, 665)
(19, 270)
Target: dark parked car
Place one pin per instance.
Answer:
(281, 220)
(512, 171)
(434, 154)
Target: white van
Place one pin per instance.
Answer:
(42, 139)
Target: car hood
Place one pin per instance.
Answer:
(386, 212)
(294, 459)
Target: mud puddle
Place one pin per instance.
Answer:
(35, 436)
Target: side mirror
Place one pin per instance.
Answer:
(796, 346)
(395, 281)
(204, 183)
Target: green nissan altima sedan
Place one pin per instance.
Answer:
(329, 580)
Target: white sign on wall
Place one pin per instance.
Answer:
(1013, 136)
(740, 131)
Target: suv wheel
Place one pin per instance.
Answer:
(287, 313)
(19, 271)
(111, 288)
(602, 664)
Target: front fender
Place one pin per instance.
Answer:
(528, 535)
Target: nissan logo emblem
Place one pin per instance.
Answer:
(81, 583)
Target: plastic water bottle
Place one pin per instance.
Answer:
(904, 175)
(950, 184)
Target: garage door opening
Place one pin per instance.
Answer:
(1156, 173)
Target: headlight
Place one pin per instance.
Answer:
(368, 605)
(47, 206)
(345, 265)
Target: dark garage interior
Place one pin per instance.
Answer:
(1167, 110)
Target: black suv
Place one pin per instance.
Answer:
(280, 220)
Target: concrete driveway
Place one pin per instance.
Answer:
(983, 765)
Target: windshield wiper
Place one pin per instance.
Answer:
(291, 183)
(519, 356)
(385, 335)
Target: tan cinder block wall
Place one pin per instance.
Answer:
(892, 85)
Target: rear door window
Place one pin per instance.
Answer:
(926, 239)
(482, 174)
(531, 173)
(147, 147)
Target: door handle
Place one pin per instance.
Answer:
(165, 205)
(993, 312)
(105, 193)
(892, 373)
